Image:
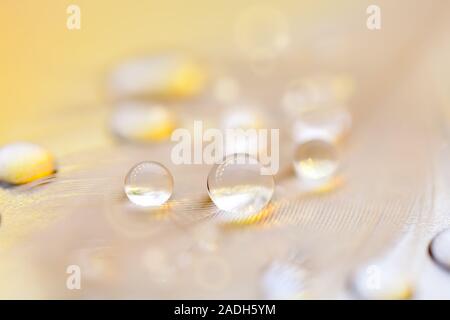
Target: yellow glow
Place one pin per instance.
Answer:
(188, 80)
(23, 163)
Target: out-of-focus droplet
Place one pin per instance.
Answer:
(23, 162)
(243, 117)
(148, 184)
(237, 187)
(440, 249)
(262, 32)
(142, 122)
(164, 76)
(315, 161)
(284, 280)
(307, 93)
(240, 125)
(329, 122)
(383, 281)
(226, 90)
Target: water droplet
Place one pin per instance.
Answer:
(243, 116)
(315, 161)
(237, 186)
(306, 93)
(148, 184)
(142, 122)
(163, 76)
(440, 249)
(327, 122)
(24, 162)
(241, 124)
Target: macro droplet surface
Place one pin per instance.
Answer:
(23, 162)
(162, 76)
(307, 93)
(148, 184)
(327, 122)
(142, 122)
(315, 161)
(240, 126)
(440, 249)
(238, 186)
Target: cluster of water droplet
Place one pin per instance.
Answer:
(319, 121)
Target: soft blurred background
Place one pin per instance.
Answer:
(378, 220)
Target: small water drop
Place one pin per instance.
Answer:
(237, 186)
(240, 125)
(24, 162)
(162, 76)
(142, 122)
(148, 184)
(327, 122)
(315, 161)
(308, 93)
(440, 249)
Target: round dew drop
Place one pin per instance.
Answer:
(440, 249)
(315, 161)
(23, 162)
(237, 186)
(148, 184)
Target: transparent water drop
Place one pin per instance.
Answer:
(306, 93)
(24, 162)
(316, 161)
(148, 184)
(327, 122)
(243, 116)
(440, 249)
(142, 122)
(237, 186)
(240, 126)
(165, 75)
